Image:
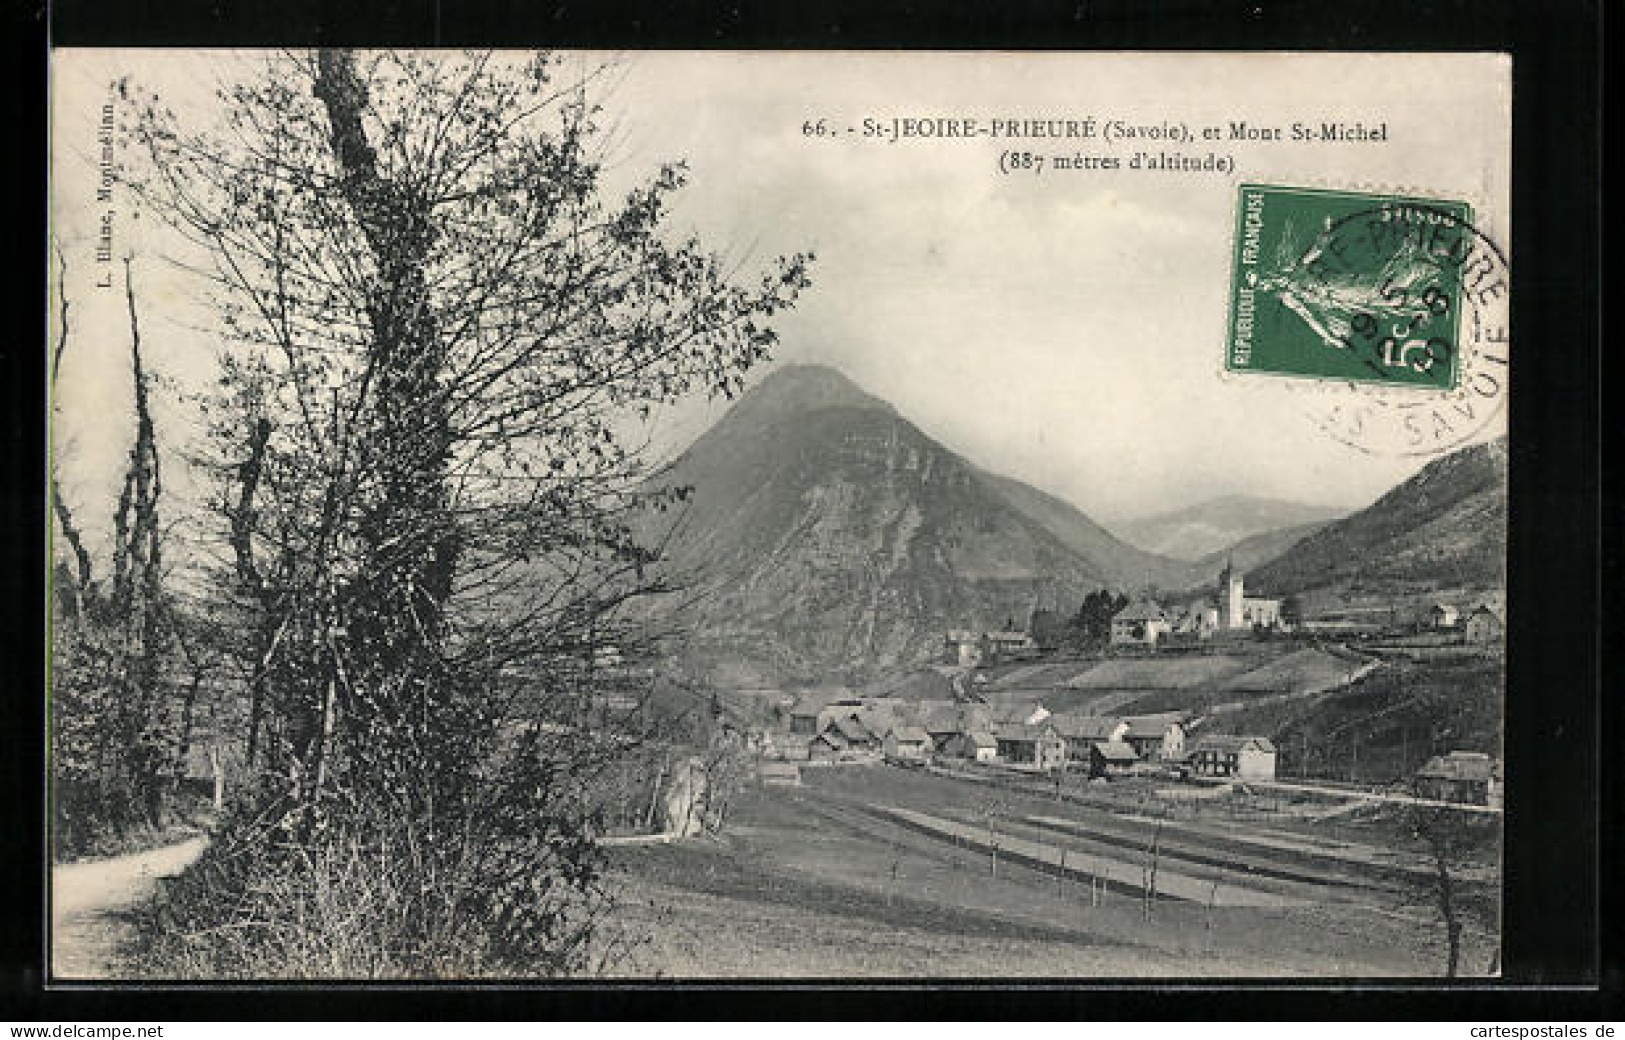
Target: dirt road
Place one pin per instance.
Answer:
(91, 903)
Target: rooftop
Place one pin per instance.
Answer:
(1234, 744)
(850, 728)
(1022, 731)
(1152, 725)
(1116, 751)
(1461, 765)
(1085, 727)
(1142, 611)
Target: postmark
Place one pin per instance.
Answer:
(1388, 312)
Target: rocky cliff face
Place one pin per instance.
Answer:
(830, 537)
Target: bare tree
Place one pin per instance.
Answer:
(1449, 836)
(440, 338)
(117, 715)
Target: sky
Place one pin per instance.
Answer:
(1066, 328)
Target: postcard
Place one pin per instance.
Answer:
(777, 515)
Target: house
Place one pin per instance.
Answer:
(842, 735)
(804, 716)
(1443, 616)
(1468, 777)
(1111, 758)
(828, 744)
(1198, 618)
(814, 709)
(963, 647)
(907, 744)
(1082, 732)
(1245, 758)
(1009, 646)
(944, 720)
(978, 746)
(942, 724)
(1037, 745)
(1154, 736)
(1139, 623)
(1484, 626)
(858, 736)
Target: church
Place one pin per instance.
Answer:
(1239, 610)
(1226, 609)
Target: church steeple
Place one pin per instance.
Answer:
(1231, 593)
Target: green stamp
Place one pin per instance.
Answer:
(1349, 286)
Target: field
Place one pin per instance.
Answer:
(874, 871)
(1384, 727)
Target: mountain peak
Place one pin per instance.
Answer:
(806, 388)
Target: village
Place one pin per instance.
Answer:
(1218, 789)
(1169, 697)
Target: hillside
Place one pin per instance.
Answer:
(1386, 725)
(1255, 550)
(828, 537)
(1208, 529)
(1441, 534)
(1130, 567)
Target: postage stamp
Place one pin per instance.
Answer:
(1347, 285)
(1398, 300)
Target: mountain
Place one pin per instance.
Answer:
(1131, 567)
(1255, 550)
(1209, 528)
(827, 537)
(1439, 535)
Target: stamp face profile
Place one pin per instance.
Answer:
(1352, 286)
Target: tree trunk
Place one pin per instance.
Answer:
(217, 767)
(402, 697)
(654, 796)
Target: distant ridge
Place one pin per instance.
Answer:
(1201, 531)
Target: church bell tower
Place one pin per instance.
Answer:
(1231, 592)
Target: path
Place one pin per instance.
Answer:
(1369, 796)
(90, 902)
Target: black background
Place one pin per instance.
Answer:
(1563, 811)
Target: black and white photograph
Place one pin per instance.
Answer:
(777, 515)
